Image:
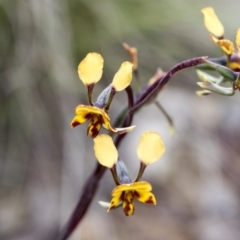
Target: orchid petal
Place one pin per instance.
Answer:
(226, 45)
(142, 186)
(105, 150)
(90, 69)
(212, 23)
(123, 77)
(145, 197)
(116, 200)
(150, 147)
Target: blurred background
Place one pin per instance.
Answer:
(44, 163)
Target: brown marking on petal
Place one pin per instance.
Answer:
(205, 94)
(127, 209)
(88, 115)
(112, 205)
(150, 200)
(122, 196)
(94, 131)
(95, 125)
(128, 205)
(136, 194)
(74, 124)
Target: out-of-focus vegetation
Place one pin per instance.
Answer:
(44, 163)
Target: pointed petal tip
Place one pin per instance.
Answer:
(202, 93)
(104, 204)
(152, 200)
(202, 84)
(74, 124)
(124, 130)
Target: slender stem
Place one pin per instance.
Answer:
(90, 90)
(169, 119)
(141, 171)
(220, 60)
(128, 118)
(138, 80)
(153, 89)
(114, 174)
(112, 94)
(130, 106)
(86, 196)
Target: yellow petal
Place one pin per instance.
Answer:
(90, 68)
(123, 77)
(142, 186)
(79, 120)
(105, 150)
(84, 109)
(115, 202)
(238, 39)
(145, 197)
(83, 114)
(226, 45)
(150, 147)
(212, 23)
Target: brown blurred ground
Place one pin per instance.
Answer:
(44, 163)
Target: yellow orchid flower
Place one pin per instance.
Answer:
(98, 118)
(90, 72)
(150, 149)
(215, 27)
(125, 193)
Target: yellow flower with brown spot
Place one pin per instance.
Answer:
(215, 27)
(90, 72)
(149, 150)
(126, 193)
